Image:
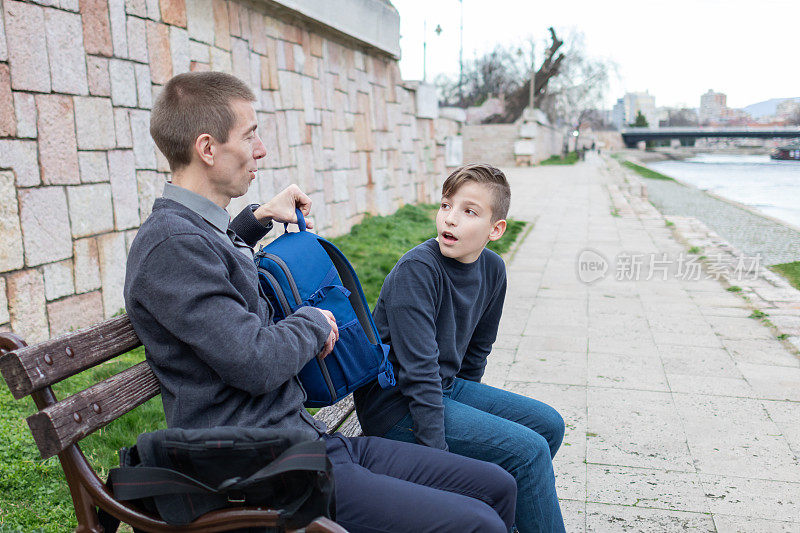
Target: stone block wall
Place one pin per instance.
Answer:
(550, 141)
(490, 143)
(79, 171)
(494, 143)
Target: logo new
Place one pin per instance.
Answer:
(592, 266)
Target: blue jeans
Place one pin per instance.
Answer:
(520, 434)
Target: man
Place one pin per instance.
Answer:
(192, 294)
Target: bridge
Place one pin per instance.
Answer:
(632, 136)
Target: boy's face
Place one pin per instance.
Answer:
(464, 222)
(235, 161)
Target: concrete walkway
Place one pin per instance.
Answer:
(681, 412)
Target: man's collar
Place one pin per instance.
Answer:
(211, 212)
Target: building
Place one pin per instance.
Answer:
(618, 114)
(789, 109)
(671, 117)
(713, 106)
(627, 107)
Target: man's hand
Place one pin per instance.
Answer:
(333, 336)
(281, 208)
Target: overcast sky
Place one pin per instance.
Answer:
(676, 49)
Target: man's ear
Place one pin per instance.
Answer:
(204, 148)
(497, 230)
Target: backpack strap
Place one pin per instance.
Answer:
(319, 295)
(131, 483)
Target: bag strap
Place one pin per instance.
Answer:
(301, 221)
(131, 483)
(386, 377)
(308, 456)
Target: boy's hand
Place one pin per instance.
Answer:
(333, 336)
(281, 207)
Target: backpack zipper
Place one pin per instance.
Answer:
(283, 266)
(284, 303)
(277, 290)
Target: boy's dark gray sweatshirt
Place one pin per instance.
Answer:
(440, 317)
(195, 302)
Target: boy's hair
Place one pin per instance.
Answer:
(190, 105)
(485, 174)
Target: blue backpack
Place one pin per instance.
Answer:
(302, 268)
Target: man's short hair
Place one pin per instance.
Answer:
(190, 105)
(486, 175)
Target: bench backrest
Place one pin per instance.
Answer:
(32, 370)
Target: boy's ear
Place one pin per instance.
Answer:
(497, 230)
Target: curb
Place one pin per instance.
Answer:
(509, 255)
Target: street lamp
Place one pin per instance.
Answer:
(438, 32)
(461, 56)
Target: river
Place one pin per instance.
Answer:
(770, 187)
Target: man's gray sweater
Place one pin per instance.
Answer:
(195, 302)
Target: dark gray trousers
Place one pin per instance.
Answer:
(387, 486)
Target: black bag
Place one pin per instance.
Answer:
(181, 474)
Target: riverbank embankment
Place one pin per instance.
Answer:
(747, 229)
(734, 243)
(666, 153)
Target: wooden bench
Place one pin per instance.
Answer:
(58, 426)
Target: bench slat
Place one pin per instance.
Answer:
(35, 367)
(335, 414)
(351, 427)
(68, 421)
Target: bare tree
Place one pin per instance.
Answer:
(519, 99)
(579, 87)
(595, 119)
(497, 72)
(680, 117)
(568, 83)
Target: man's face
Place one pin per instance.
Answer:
(464, 222)
(235, 161)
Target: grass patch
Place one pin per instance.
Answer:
(758, 314)
(669, 224)
(790, 271)
(375, 245)
(695, 250)
(570, 159)
(734, 288)
(33, 492)
(503, 245)
(646, 172)
(615, 212)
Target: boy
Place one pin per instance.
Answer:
(439, 309)
(192, 294)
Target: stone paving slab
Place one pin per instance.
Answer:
(681, 411)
